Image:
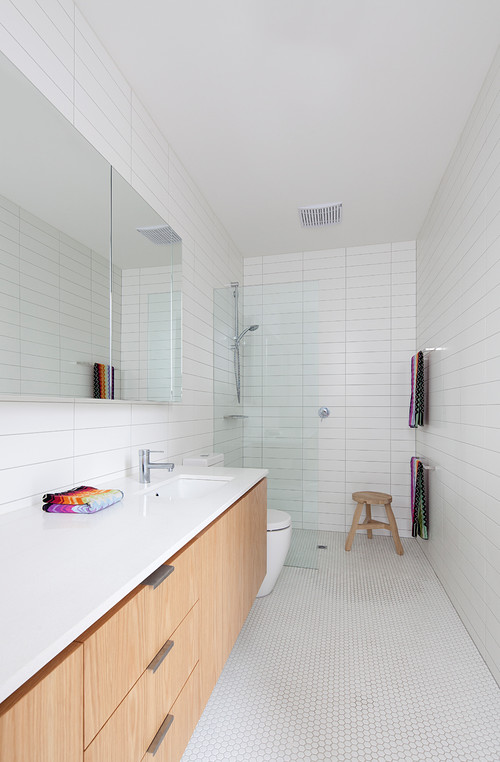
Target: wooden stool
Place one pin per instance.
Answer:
(369, 499)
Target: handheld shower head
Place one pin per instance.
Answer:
(250, 328)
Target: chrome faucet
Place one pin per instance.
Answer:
(145, 465)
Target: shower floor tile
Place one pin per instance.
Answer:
(361, 660)
(303, 549)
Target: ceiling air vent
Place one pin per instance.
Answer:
(160, 234)
(321, 214)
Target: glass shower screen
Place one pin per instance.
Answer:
(275, 424)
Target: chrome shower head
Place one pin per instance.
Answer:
(239, 338)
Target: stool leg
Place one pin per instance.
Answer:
(369, 532)
(354, 526)
(394, 529)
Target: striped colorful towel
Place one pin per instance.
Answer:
(419, 517)
(81, 500)
(104, 381)
(416, 416)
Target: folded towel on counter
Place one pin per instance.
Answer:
(416, 416)
(419, 517)
(81, 500)
(104, 381)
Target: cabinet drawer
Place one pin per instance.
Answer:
(169, 603)
(129, 731)
(185, 713)
(113, 660)
(119, 647)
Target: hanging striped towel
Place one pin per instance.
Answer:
(416, 416)
(81, 500)
(419, 518)
(104, 381)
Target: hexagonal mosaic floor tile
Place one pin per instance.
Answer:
(362, 660)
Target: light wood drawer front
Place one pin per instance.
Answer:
(42, 721)
(132, 727)
(114, 658)
(167, 605)
(186, 713)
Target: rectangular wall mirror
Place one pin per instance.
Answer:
(90, 307)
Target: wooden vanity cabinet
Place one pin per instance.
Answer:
(42, 720)
(233, 557)
(121, 645)
(155, 656)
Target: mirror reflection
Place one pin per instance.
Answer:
(54, 228)
(56, 289)
(147, 257)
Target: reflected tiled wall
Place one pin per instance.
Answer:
(54, 315)
(44, 446)
(458, 308)
(366, 336)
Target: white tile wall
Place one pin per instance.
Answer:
(365, 335)
(56, 49)
(458, 286)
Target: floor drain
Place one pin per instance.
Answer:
(322, 547)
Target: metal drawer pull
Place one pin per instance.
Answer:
(164, 650)
(157, 577)
(162, 732)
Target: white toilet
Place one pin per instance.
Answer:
(279, 535)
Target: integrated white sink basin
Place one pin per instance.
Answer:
(187, 487)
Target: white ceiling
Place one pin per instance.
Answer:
(275, 104)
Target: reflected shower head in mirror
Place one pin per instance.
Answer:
(251, 328)
(161, 235)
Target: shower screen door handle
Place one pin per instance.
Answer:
(323, 413)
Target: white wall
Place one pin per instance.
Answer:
(366, 314)
(48, 445)
(458, 309)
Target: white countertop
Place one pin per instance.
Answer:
(61, 573)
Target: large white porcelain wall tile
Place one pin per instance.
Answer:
(88, 440)
(35, 447)
(150, 177)
(324, 255)
(53, 24)
(403, 310)
(106, 95)
(26, 417)
(404, 246)
(252, 261)
(100, 136)
(111, 463)
(372, 479)
(36, 479)
(372, 249)
(364, 267)
(30, 53)
(400, 279)
(358, 283)
(153, 147)
(89, 48)
(90, 112)
(282, 259)
(454, 310)
(194, 195)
